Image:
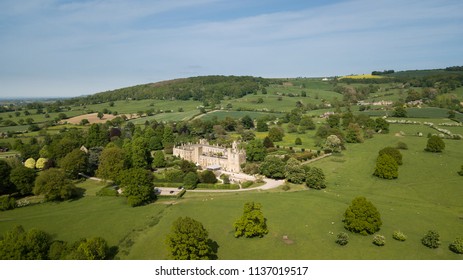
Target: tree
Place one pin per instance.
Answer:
(191, 180)
(399, 112)
(333, 120)
(137, 185)
(315, 179)
(261, 125)
(381, 126)
(140, 155)
(17, 244)
(457, 246)
(252, 223)
(207, 177)
(247, 122)
(23, 178)
(5, 183)
(307, 123)
(333, 144)
(393, 152)
(54, 185)
(100, 115)
(431, 239)
(97, 136)
(386, 167)
(158, 159)
(189, 240)
(435, 144)
(362, 217)
(112, 162)
(276, 134)
(41, 163)
(30, 163)
(74, 163)
(294, 172)
(273, 167)
(91, 249)
(354, 133)
(298, 141)
(268, 143)
(255, 150)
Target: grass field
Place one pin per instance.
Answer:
(414, 203)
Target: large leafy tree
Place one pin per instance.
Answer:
(276, 134)
(137, 184)
(273, 167)
(54, 185)
(386, 167)
(294, 172)
(362, 217)
(158, 159)
(74, 163)
(354, 133)
(189, 240)
(95, 248)
(112, 162)
(23, 178)
(247, 122)
(17, 244)
(207, 177)
(255, 150)
(435, 144)
(315, 178)
(97, 136)
(252, 223)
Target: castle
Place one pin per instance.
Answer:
(212, 157)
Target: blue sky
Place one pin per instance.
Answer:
(68, 48)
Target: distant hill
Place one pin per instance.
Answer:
(210, 88)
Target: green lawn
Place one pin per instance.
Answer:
(427, 195)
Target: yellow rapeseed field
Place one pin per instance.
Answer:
(362, 76)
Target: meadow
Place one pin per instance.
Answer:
(414, 203)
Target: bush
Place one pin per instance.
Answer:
(435, 144)
(7, 203)
(315, 178)
(431, 239)
(246, 184)
(379, 240)
(457, 246)
(386, 167)
(398, 235)
(342, 239)
(393, 152)
(298, 141)
(207, 177)
(285, 187)
(362, 217)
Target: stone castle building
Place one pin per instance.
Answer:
(212, 157)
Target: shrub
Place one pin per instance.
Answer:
(379, 240)
(362, 217)
(207, 177)
(315, 178)
(7, 203)
(246, 184)
(298, 141)
(398, 235)
(435, 144)
(285, 187)
(30, 163)
(457, 246)
(431, 239)
(342, 239)
(386, 167)
(393, 152)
